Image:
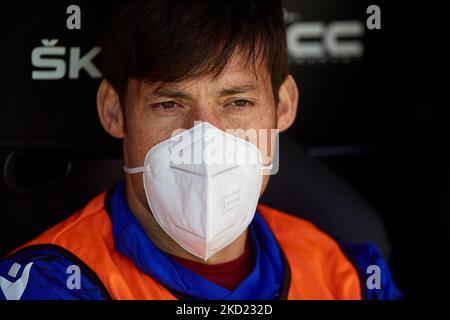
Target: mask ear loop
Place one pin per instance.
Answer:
(135, 169)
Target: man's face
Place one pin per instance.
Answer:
(238, 99)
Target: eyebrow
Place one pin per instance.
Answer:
(177, 94)
(171, 93)
(238, 89)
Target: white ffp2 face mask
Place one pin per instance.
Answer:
(202, 186)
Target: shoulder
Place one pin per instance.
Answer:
(49, 266)
(377, 281)
(290, 228)
(79, 229)
(332, 254)
(47, 272)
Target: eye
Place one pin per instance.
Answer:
(166, 105)
(241, 103)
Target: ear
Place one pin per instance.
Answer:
(287, 105)
(109, 110)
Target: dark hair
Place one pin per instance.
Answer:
(174, 40)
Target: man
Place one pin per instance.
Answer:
(179, 230)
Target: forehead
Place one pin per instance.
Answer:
(238, 71)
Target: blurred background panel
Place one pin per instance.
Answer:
(370, 128)
(56, 106)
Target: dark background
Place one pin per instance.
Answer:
(376, 120)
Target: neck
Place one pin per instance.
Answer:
(165, 243)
